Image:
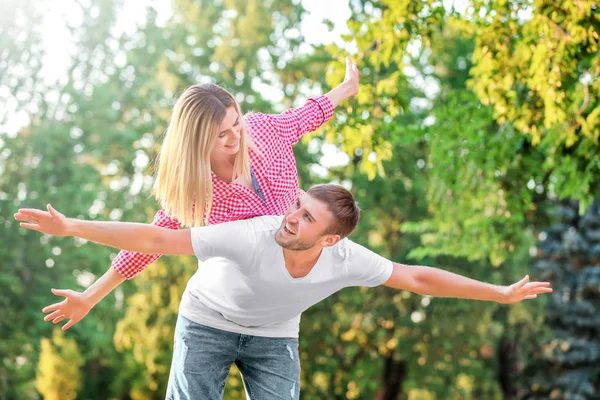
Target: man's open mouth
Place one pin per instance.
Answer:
(288, 229)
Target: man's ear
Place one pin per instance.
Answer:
(329, 240)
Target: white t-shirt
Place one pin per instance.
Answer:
(243, 286)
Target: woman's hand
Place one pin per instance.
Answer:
(348, 88)
(74, 307)
(351, 78)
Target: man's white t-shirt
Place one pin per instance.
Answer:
(243, 286)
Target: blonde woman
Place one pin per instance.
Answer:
(217, 165)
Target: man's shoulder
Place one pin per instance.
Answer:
(256, 225)
(344, 248)
(265, 223)
(234, 239)
(362, 266)
(351, 252)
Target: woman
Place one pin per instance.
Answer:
(237, 167)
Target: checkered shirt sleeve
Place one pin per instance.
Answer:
(293, 123)
(130, 263)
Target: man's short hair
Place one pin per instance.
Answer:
(341, 205)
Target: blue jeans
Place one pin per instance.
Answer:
(202, 356)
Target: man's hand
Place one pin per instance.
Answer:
(75, 306)
(50, 222)
(524, 290)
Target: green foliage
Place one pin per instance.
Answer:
(453, 178)
(477, 189)
(59, 377)
(541, 76)
(568, 253)
(464, 126)
(365, 125)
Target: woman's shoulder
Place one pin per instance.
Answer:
(262, 131)
(256, 121)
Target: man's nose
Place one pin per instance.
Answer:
(293, 217)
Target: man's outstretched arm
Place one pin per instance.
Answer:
(143, 238)
(436, 282)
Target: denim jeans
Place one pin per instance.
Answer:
(202, 356)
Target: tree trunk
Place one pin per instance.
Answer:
(394, 374)
(508, 362)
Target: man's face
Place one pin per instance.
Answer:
(303, 225)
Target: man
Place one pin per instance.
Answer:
(257, 276)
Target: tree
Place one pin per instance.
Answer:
(59, 376)
(393, 120)
(568, 253)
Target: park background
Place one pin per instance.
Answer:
(472, 146)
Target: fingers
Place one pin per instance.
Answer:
(52, 307)
(538, 287)
(351, 70)
(61, 292)
(53, 315)
(540, 290)
(31, 213)
(522, 282)
(348, 66)
(69, 324)
(31, 219)
(536, 284)
(33, 227)
(58, 319)
(23, 217)
(531, 296)
(53, 212)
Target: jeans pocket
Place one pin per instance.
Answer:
(197, 361)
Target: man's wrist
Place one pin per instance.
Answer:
(72, 227)
(501, 294)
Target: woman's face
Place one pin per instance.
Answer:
(228, 138)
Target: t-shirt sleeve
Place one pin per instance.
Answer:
(230, 240)
(366, 268)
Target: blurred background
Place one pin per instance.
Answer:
(472, 146)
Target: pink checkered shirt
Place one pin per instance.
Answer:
(274, 167)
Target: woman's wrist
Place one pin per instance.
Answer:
(340, 93)
(103, 286)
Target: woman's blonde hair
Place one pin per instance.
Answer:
(183, 183)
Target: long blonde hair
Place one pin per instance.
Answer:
(183, 184)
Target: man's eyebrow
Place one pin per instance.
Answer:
(236, 120)
(309, 214)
